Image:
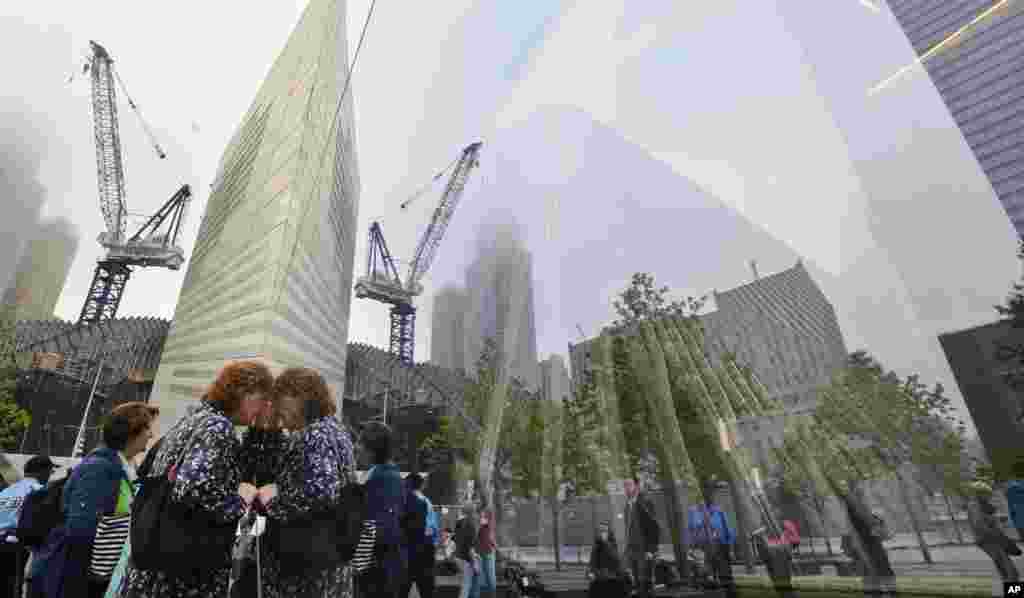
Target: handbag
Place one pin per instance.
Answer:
(111, 535)
(171, 538)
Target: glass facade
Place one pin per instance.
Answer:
(271, 272)
(979, 75)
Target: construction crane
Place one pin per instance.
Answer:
(155, 244)
(382, 282)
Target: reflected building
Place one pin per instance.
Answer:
(43, 270)
(554, 379)
(978, 74)
(447, 329)
(270, 276)
(496, 303)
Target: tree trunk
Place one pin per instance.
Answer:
(914, 523)
(952, 517)
(743, 525)
(825, 529)
(556, 533)
(672, 498)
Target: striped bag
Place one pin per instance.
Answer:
(111, 535)
(364, 556)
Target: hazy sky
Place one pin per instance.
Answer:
(760, 105)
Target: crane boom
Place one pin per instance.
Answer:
(426, 250)
(109, 165)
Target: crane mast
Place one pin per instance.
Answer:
(387, 286)
(155, 244)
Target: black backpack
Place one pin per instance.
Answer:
(351, 515)
(42, 511)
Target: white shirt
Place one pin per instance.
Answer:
(129, 469)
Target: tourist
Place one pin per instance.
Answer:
(467, 534)
(1015, 499)
(317, 464)
(643, 536)
(13, 552)
(708, 528)
(77, 560)
(201, 455)
(988, 534)
(487, 546)
(420, 548)
(605, 572)
(385, 498)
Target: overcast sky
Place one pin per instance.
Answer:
(758, 106)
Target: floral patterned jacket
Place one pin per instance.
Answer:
(317, 463)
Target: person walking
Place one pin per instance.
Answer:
(1015, 499)
(487, 545)
(988, 534)
(605, 572)
(708, 528)
(643, 537)
(200, 457)
(467, 535)
(420, 546)
(385, 497)
(13, 551)
(316, 466)
(79, 556)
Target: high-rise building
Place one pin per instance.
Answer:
(447, 329)
(554, 379)
(270, 276)
(499, 290)
(976, 66)
(43, 270)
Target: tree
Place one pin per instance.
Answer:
(642, 300)
(895, 419)
(1013, 309)
(13, 419)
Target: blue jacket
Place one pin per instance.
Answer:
(385, 499)
(719, 526)
(11, 500)
(1015, 501)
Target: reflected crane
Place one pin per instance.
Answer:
(382, 282)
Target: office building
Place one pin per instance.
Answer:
(447, 329)
(270, 276)
(554, 379)
(43, 270)
(974, 52)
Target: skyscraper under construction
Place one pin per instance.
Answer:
(271, 273)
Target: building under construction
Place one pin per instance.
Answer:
(65, 367)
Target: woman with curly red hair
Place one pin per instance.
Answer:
(200, 456)
(301, 505)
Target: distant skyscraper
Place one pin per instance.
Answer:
(43, 270)
(270, 276)
(978, 74)
(554, 379)
(499, 290)
(447, 329)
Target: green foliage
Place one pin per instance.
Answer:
(581, 426)
(643, 300)
(1013, 309)
(13, 419)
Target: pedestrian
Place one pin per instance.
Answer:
(467, 535)
(385, 498)
(605, 572)
(118, 577)
(420, 545)
(708, 528)
(988, 534)
(79, 555)
(643, 536)
(200, 457)
(487, 546)
(1015, 498)
(13, 551)
(317, 464)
